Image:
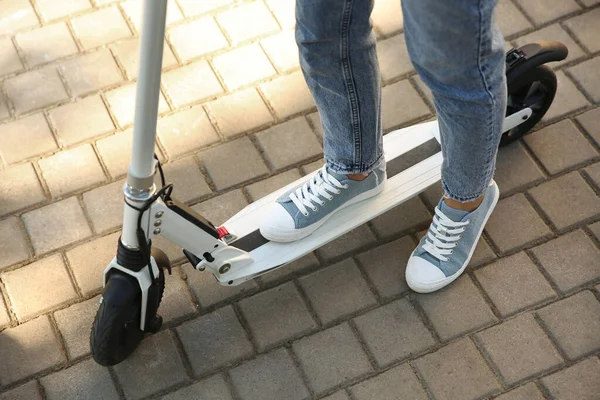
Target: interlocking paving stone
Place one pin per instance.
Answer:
(337, 291)
(28, 349)
(560, 146)
(239, 112)
(25, 138)
(4, 112)
(128, 53)
(46, 44)
(24, 13)
(509, 213)
(82, 164)
(387, 16)
(585, 28)
(56, 225)
(312, 167)
(100, 27)
(595, 228)
(393, 57)
(401, 103)
(357, 238)
(28, 391)
(75, 324)
(86, 380)
(525, 392)
(282, 50)
(397, 383)
(568, 99)
(188, 182)
(82, 120)
(176, 302)
(191, 83)
(32, 297)
(155, 365)
(307, 262)
(104, 206)
(590, 121)
(134, 8)
(205, 28)
(288, 94)
(446, 309)
(219, 209)
(223, 340)
(194, 7)
(594, 173)
(186, 131)
(394, 332)
(331, 357)
(385, 266)
(289, 143)
(569, 190)
(407, 217)
(554, 32)
(284, 11)
(19, 188)
(457, 371)
(35, 89)
(243, 162)
(90, 72)
(247, 21)
(511, 159)
(586, 75)
(423, 88)
(269, 376)
(579, 381)
(210, 292)
(256, 66)
(509, 19)
(49, 11)
(277, 315)
(13, 242)
(213, 388)
(122, 104)
(4, 317)
(574, 323)
(260, 189)
(514, 283)
(570, 260)
(519, 349)
(549, 10)
(341, 395)
(9, 56)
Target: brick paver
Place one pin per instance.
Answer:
(236, 122)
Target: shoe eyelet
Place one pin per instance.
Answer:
(314, 208)
(451, 251)
(305, 214)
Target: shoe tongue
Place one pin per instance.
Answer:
(452, 213)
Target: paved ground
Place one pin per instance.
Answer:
(237, 122)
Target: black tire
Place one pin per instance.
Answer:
(116, 329)
(535, 89)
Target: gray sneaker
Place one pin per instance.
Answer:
(302, 210)
(445, 251)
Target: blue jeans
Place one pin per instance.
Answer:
(457, 50)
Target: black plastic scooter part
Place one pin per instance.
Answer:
(525, 58)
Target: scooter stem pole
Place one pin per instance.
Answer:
(148, 91)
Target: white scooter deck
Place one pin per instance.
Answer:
(400, 187)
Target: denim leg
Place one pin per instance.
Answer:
(339, 62)
(458, 51)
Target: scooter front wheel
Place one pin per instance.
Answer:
(116, 330)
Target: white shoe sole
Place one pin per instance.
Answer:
(277, 235)
(437, 285)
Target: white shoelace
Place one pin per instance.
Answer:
(443, 228)
(320, 185)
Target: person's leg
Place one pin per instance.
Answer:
(339, 62)
(458, 51)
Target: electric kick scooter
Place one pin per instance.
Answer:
(134, 280)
